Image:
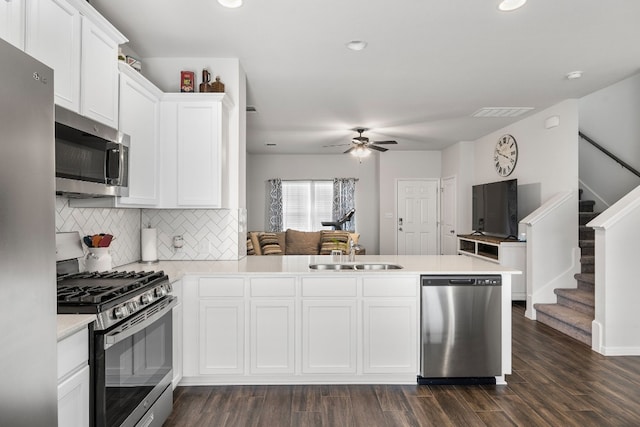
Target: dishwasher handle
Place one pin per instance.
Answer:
(462, 281)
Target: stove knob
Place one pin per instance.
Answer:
(132, 306)
(160, 292)
(146, 298)
(120, 312)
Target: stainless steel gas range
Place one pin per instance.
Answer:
(131, 342)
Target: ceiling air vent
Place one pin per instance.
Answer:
(492, 112)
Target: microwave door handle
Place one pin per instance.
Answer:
(113, 166)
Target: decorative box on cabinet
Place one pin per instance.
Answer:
(81, 46)
(506, 252)
(73, 380)
(194, 136)
(12, 22)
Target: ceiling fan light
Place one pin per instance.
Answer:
(509, 5)
(231, 4)
(360, 152)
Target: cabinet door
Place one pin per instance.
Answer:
(53, 37)
(221, 337)
(99, 75)
(390, 336)
(12, 22)
(139, 111)
(272, 332)
(199, 154)
(329, 336)
(73, 400)
(177, 344)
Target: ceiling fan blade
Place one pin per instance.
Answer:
(349, 150)
(373, 147)
(335, 145)
(358, 139)
(384, 142)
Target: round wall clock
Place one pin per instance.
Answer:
(505, 156)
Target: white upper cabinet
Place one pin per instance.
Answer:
(139, 118)
(82, 47)
(53, 37)
(12, 22)
(194, 135)
(99, 75)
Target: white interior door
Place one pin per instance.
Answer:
(417, 207)
(448, 216)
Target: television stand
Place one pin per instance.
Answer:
(503, 251)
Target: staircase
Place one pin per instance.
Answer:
(574, 310)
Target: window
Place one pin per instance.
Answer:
(305, 204)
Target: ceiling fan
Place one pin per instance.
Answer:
(361, 146)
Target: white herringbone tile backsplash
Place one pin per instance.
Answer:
(123, 224)
(209, 234)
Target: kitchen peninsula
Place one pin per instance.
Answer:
(275, 320)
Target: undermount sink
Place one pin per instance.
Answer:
(377, 266)
(352, 267)
(331, 266)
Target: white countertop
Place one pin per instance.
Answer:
(68, 324)
(299, 264)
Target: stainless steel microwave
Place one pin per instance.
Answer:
(92, 160)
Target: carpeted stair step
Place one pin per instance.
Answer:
(586, 233)
(586, 281)
(566, 320)
(587, 264)
(577, 299)
(585, 217)
(586, 205)
(587, 247)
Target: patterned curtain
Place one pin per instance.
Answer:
(275, 205)
(344, 199)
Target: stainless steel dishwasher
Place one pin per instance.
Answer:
(461, 329)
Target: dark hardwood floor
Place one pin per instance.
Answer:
(556, 381)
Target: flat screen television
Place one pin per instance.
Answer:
(495, 208)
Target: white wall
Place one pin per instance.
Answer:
(610, 117)
(458, 161)
(261, 167)
(393, 166)
(546, 156)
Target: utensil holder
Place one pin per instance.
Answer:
(98, 259)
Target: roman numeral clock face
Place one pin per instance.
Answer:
(505, 155)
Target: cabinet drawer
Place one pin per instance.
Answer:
(73, 352)
(273, 287)
(329, 287)
(390, 287)
(221, 287)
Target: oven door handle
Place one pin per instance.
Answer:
(123, 332)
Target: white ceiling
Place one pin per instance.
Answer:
(429, 64)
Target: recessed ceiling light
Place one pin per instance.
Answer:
(509, 5)
(231, 4)
(356, 45)
(574, 75)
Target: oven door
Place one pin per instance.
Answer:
(133, 365)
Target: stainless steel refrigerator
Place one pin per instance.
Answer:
(28, 356)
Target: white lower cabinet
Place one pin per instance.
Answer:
(296, 329)
(272, 336)
(73, 380)
(329, 336)
(177, 322)
(221, 337)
